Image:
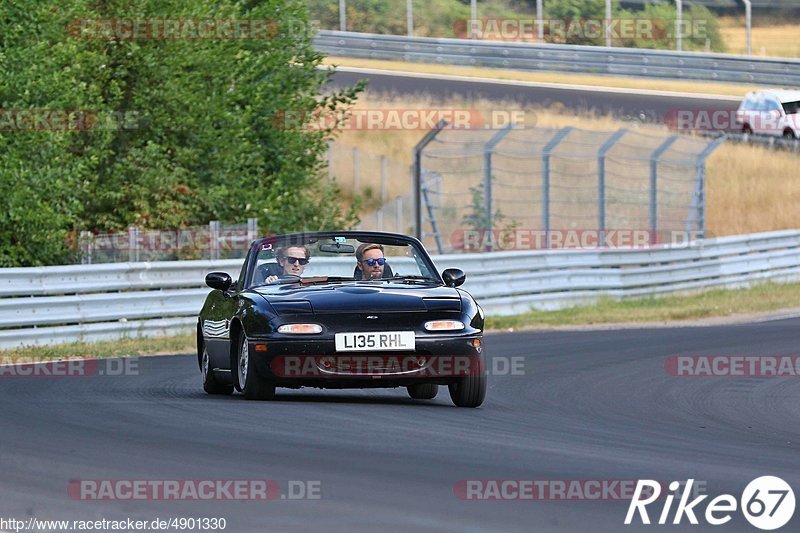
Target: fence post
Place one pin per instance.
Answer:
(355, 170)
(384, 177)
(698, 209)
(330, 161)
(546, 151)
(86, 243)
(488, 151)
(133, 244)
(213, 239)
(398, 214)
(252, 230)
(654, 158)
(601, 182)
(425, 141)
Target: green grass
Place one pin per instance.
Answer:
(715, 303)
(123, 347)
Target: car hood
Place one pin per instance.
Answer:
(363, 297)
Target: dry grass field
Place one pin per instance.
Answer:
(772, 39)
(749, 188)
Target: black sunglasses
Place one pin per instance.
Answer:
(293, 260)
(371, 262)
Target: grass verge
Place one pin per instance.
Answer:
(123, 347)
(717, 303)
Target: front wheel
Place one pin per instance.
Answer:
(470, 391)
(210, 383)
(253, 386)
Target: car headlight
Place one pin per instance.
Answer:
(300, 329)
(444, 325)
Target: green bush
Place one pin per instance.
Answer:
(186, 130)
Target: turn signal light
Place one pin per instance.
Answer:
(300, 329)
(444, 325)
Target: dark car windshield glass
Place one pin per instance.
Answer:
(335, 258)
(791, 108)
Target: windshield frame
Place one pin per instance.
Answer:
(377, 237)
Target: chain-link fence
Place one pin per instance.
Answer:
(213, 241)
(556, 181)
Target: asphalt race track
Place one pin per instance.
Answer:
(646, 107)
(591, 405)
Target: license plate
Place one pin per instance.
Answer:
(375, 341)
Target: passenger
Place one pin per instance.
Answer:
(292, 261)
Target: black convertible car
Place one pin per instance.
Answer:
(348, 309)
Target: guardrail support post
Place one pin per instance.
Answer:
(546, 151)
(429, 137)
(342, 15)
(679, 25)
(654, 185)
(601, 181)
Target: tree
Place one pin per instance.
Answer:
(180, 131)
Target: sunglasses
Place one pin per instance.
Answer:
(301, 260)
(371, 262)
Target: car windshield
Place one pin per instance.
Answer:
(791, 108)
(340, 259)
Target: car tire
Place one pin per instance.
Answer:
(253, 386)
(747, 130)
(470, 391)
(789, 135)
(210, 383)
(423, 391)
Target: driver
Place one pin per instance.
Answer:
(292, 261)
(370, 261)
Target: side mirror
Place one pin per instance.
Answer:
(453, 277)
(219, 280)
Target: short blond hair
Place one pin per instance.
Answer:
(367, 246)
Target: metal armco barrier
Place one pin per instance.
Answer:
(60, 304)
(562, 58)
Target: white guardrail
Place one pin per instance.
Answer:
(60, 304)
(562, 58)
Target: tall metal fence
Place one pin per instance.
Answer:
(211, 242)
(552, 180)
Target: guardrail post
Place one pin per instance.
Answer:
(654, 185)
(698, 209)
(546, 151)
(426, 140)
(748, 21)
(601, 181)
(679, 25)
(342, 15)
(488, 151)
